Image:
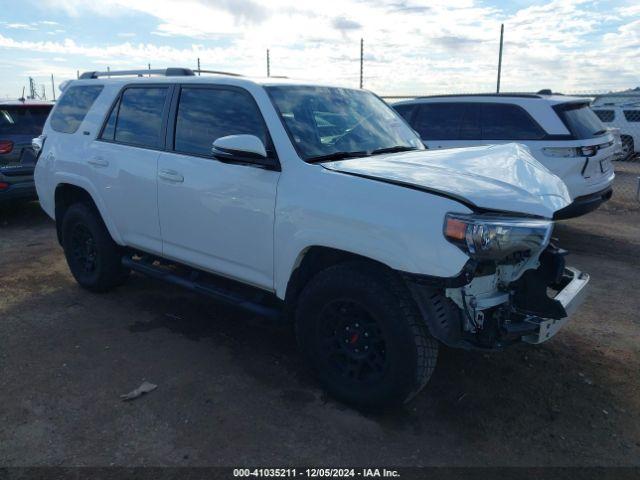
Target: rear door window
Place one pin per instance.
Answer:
(632, 115)
(73, 107)
(137, 118)
(580, 120)
(406, 110)
(23, 120)
(206, 114)
(439, 121)
(508, 122)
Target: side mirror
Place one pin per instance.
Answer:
(241, 148)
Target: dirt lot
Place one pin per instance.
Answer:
(232, 390)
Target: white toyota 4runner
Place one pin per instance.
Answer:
(313, 203)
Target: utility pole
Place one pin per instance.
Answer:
(108, 70)
(77, 73)
(361, 60)
(500, 57)
(149, 68)
(53, 88)
(268, 64)
(32, 89)
(198, 66)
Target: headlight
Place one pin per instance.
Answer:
(485, 237)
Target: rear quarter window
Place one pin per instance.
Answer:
(581, 121)
(73, 107)
(502, 121)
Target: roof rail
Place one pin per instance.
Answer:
(167, 72)
(217, 72)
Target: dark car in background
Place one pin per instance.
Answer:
(20, 122)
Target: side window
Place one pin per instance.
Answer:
(439, 121)
(139, 117)
(405, 110)
(508, 122)
(470, 125)
(204, 115)
(605, 115)
(73, 107)
(632, 115)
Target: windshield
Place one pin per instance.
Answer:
(580, 120)
(19, 120)
(327, 123)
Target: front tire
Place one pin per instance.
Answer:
(94, 259)
(362, 334)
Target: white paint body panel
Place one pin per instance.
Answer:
(220, 217)
(254, 225)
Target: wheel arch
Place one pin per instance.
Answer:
(311, 261)
(67, 193)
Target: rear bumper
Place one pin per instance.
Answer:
(19, 191)
(583, 205)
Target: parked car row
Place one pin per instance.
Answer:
(321, 205)
(622, 113)
(20, 122)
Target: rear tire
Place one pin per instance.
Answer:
(94, 259)
(361, 332)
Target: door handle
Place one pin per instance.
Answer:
(98, 162)
(171, 176)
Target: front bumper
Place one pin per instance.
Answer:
(570, 298)
(585, 204)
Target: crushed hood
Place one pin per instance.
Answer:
(495, 177)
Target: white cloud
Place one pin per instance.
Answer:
(20, 26)
(411, 46)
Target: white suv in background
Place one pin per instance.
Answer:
(561, 132)
(314, 201)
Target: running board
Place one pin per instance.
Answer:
(216, 292)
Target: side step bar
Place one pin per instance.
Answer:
(216, 292)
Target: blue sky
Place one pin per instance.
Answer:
(411, 46)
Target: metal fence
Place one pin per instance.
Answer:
(616, 110)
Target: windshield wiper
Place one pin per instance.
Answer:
(394, 149)
(599, 132)
(330, 157)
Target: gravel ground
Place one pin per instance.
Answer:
(232, 390)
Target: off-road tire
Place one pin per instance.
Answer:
(94, 259)
(409, 352)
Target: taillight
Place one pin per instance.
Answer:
(4, 185)
(6, 146)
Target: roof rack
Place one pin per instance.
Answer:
(217, 72)
(167, 72)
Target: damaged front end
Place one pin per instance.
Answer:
(516, 285)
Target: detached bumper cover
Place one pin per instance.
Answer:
(570, 298)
